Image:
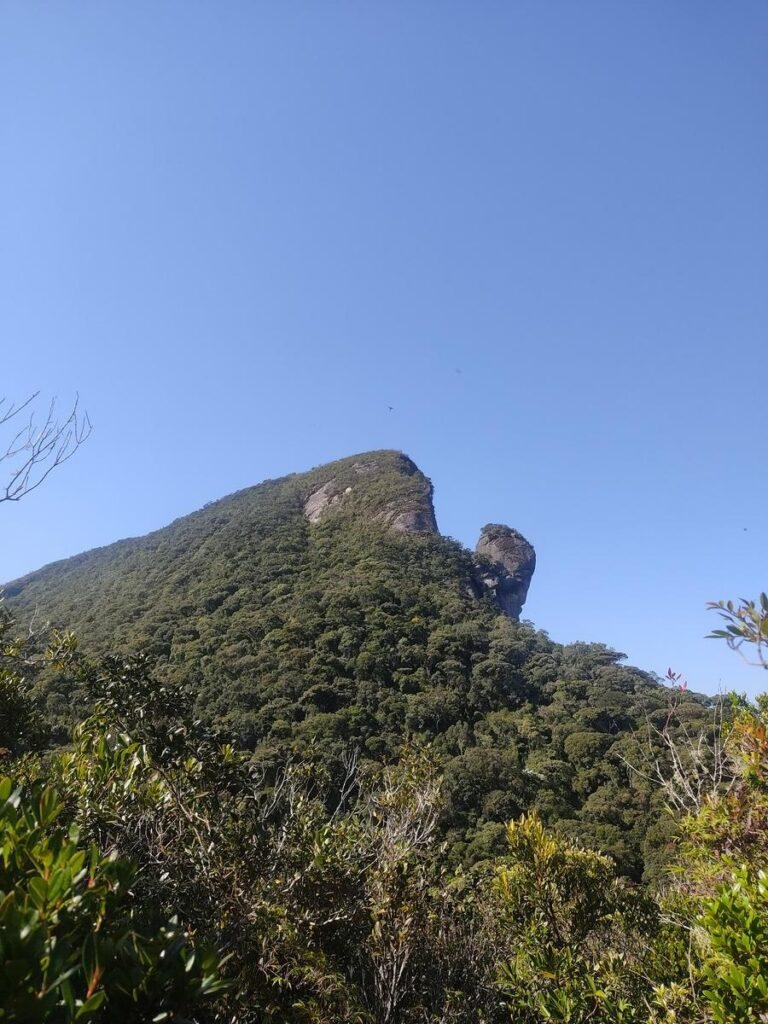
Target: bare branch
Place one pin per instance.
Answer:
(39, 447)
(690, 769)
(9, 409)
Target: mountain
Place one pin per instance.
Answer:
(324, 611)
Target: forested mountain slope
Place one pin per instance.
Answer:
(323, 612)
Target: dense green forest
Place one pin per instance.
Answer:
(150, 871)
(311, 640)
(275, 763)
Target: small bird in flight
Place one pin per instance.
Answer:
(391, 408)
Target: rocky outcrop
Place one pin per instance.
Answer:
(386, 487)
(322, 499)
(505, 563)
(419, 520)
(389, 488)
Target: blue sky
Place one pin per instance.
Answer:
(539, 231)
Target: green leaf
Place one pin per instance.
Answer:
(90, 1006)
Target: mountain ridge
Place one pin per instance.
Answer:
(302, 635)
(413, 514)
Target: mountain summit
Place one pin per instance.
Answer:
(387, 486)
(324, 612)
(380, 489)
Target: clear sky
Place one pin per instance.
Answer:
(538, 230)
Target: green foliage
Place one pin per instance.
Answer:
(585, 942)
(252, 861)
(302, 641)
(69, 945)
(721, 875)
(330, 906)
(212, 838)
(311, 768)
(21, 727)
(746, 623)
(735, 973)
(331, 898)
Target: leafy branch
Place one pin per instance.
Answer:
(747, 623)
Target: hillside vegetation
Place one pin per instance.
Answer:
(309, 640)
(151, 872)
(327, 777)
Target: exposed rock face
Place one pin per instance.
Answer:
(388, 488)
(505, 566)
(420, 520)
(403, 500)
(320, 500)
